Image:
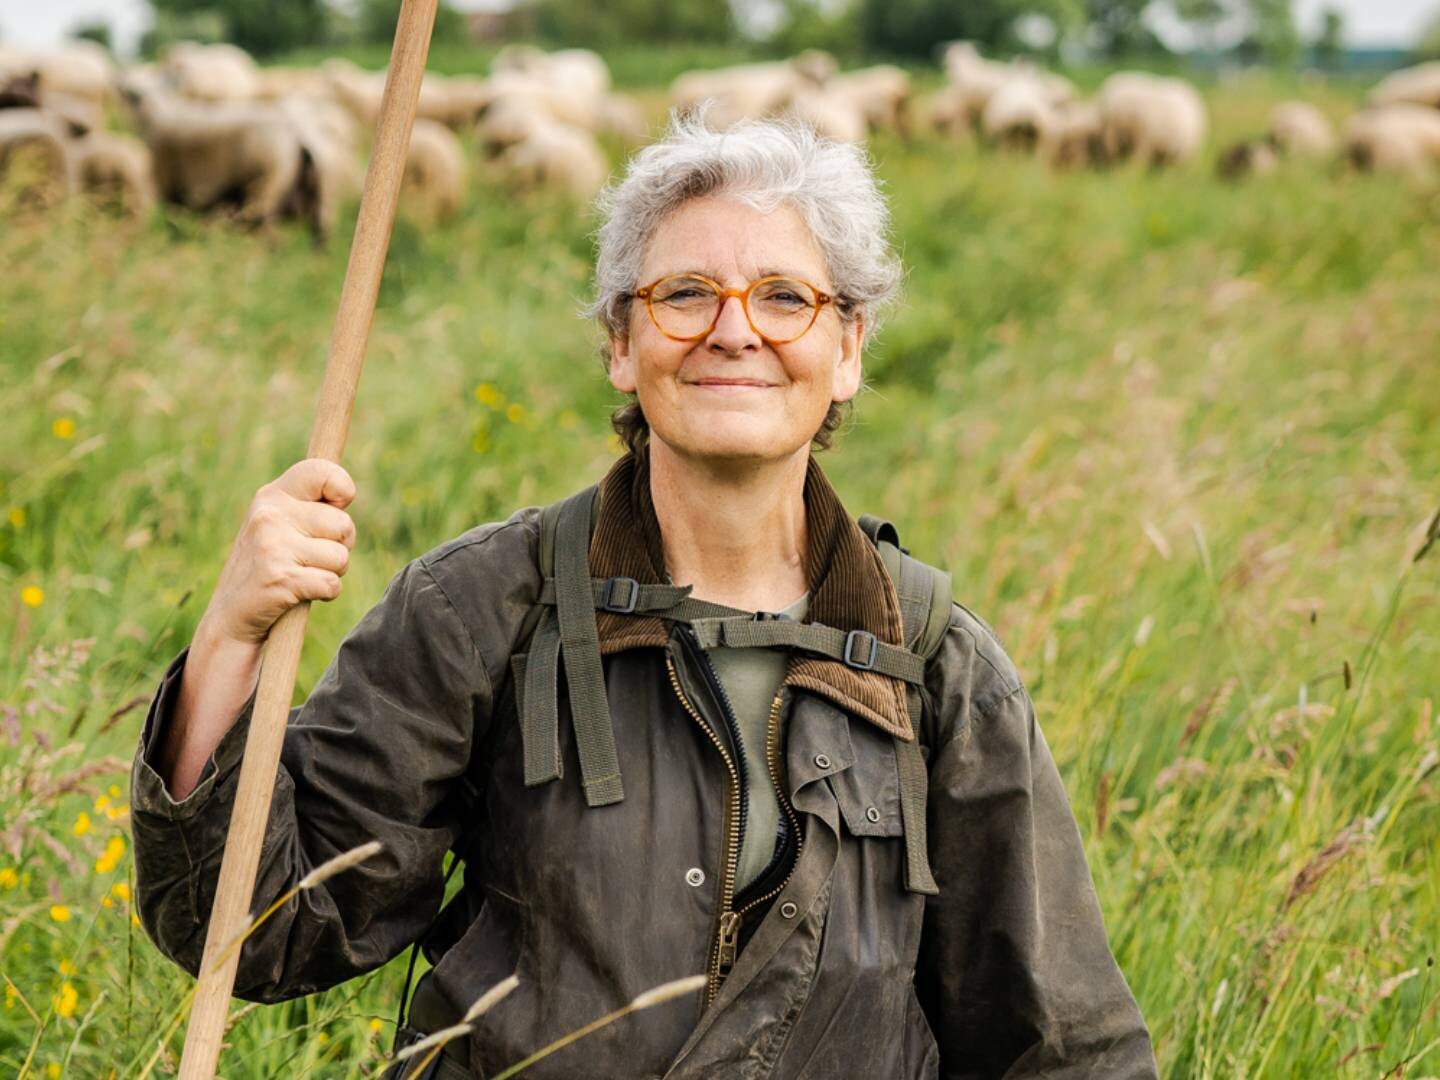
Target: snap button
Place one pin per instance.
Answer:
(695, 877)
(821, 761)
(788, 910)
(872, 815)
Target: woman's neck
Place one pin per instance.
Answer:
(736, 534)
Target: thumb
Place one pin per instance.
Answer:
(318, 480)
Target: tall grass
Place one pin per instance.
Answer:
(1176, 440)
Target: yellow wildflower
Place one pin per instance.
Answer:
(32, 596)
(117, 811)
(322, 1038)
(375, 1024)
(114, 850)
(17, 517)
(67, 967)
(8, 878)
(59, 912)
(52, 1071)
(63, 428)
(107, 903)
(481, 443)
(66, 1000)
(121, 889)
(10, 995)
(82, 824)
(489, 394)
(134, 918)
(113, 791)
(515, 413)
(101, 803)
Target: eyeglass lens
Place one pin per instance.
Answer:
(780, 308)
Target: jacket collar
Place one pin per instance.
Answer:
(849, 587)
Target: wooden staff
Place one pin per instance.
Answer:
(281, 657)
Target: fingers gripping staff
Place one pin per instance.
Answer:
(327, 440)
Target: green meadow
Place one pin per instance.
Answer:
(1178, 440)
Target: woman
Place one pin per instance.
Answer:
(734, 811)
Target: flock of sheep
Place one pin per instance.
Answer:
(217, 132)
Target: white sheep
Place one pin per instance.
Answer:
(1299, 129)
(435, 172)
(1151, 118)
(752, 90)
(1394, 138)
(219, 72)
(552, 155)
(971, 80)
(117, 169)
(1074, 137)
(35, 160)
(1018, 114)
(881, 94)
(1418, 85)
(831, 115)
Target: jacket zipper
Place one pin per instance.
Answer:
(727, 936)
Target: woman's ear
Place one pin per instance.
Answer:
(622, 366)
(846, 381)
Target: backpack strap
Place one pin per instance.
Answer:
(925, 598)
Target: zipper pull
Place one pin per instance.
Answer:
(729, 942)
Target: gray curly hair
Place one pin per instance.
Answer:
(765, 164)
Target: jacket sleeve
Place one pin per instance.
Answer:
(1015, 973)
(373, 754)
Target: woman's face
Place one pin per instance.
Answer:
(731, 395)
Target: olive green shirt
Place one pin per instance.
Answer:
(751, 678)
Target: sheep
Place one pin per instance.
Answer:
(1074, 137)
(972, 79)
(1017, 114)
(576, 71)
(248, 155)
(275, 83)
(555, 156)
(832, 116)
(33, 146)
(1418, 85)
(752, 90)
(1251, 157)
(1156, 120)
(881, 94)
(74, 79)
(117, 169)
(435, 180)
(1298, 128)
(358, 90)
(1394, 138)
(212, 72)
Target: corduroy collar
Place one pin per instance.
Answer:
(849, 587)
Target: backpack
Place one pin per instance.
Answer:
(562, 623)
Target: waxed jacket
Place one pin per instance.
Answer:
(411, 737)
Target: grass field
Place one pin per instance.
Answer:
(1176, 440)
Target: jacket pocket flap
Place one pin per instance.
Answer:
(869, 791)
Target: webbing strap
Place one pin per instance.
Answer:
(540, 714)
(856, 649)
(627, 596)
(914, 782)
(580, 645)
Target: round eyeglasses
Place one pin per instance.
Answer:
(686, 307)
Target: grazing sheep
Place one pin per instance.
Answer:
(275, 83)
(116, 169)
(212, 72)
(74, 79)
(1393, 138)
(1155, 120)
(435, 176)
(35, 161)
(358, 90)
(972, 79)
(1017, 115)
(574, 71)
(245, 155)
(1074, 138)
(1418, 85)
(552, 155)
(752, 90)
(1299, 129)
(20, 91)
(832, 116)
(881, 94)
(1251, 157)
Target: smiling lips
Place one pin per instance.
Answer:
(731, 384)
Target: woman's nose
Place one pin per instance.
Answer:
(733, 332)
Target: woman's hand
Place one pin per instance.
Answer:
(293, 545)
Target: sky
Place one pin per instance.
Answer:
(40, 22)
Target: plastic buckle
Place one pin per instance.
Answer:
(607, 593)
(868, 664)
